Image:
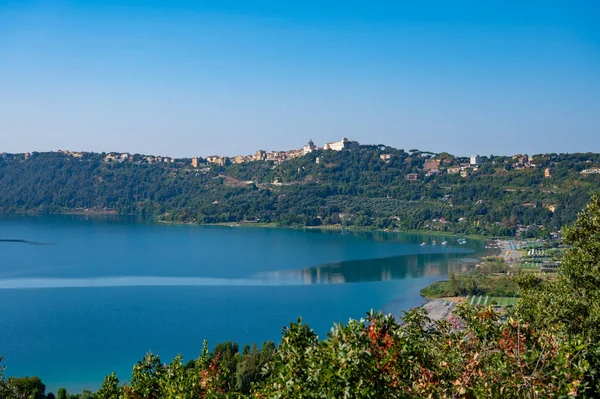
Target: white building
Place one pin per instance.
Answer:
(343, 144)
(475, 160)
(310, 147)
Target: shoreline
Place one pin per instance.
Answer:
(334, 228)
(112, 212)
(442, 308)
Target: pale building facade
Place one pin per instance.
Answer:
(475, 160)
(343, 144)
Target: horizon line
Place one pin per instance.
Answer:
(96, 152)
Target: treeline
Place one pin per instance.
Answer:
(353, 188)
(547, 347)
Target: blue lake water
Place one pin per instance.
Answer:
(81, 297)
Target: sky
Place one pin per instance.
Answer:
(196, 78)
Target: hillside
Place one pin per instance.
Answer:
(363, 187)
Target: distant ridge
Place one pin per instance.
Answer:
(346, 186)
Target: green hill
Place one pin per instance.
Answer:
(345, 188)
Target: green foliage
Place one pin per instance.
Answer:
(110, 388)
(250, 367)
(571, 303)
(85, 394)
(378, 357)
(483, 280)
(6, 390)
(146, 379)
(347, 188)
(28, 387)
(291, 367)
(62, 393)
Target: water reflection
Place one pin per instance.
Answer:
(384, 269)
(21, 241)
(381, 269)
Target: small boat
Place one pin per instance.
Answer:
(462, 241)
(434, 242)
(444, 242)
(423, 244)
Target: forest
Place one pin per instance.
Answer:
(356, 188)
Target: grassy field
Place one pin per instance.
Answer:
(486, 300)
(530, 267)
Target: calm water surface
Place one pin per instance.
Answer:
(81, 297)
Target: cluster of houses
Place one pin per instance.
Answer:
(278, 156)
(522, 162)
(125, 157)
(74, 154)
(431, 167)
(590, 171)
(121, 157)
(196, 162)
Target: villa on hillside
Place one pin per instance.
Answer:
(433, 164)
(343, 144)
(590, 171)
(218, 160)
(412, 177)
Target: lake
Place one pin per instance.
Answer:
(81, 297)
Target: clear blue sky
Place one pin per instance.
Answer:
(187, 78)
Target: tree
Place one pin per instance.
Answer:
(291, 369)
(227, 353)
(250, 368)
(61, 393)
(28, 387)
(85, 394)
(6, 391)
(571, 303)
(453, 283)
(110, 388)
(145, 379)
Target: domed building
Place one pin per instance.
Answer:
(310, 147)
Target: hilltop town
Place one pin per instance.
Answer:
(279, 156)
(260, 155)
(341, 184)
(433, 164)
